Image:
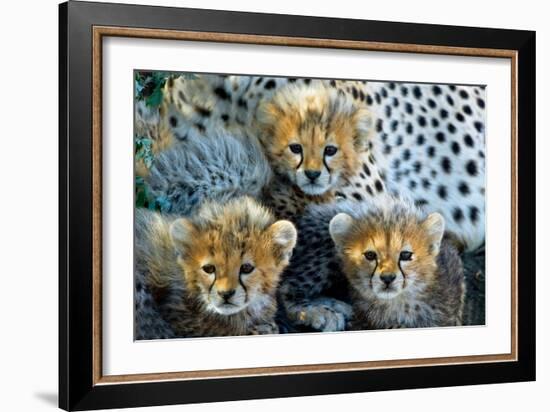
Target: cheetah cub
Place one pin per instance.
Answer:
(386, 258)
(212, 274)
(314, 137)
(402, 274)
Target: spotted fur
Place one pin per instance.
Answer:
(327, 271)
(428, 141)
(212, 274)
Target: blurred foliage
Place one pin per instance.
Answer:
(149, 87)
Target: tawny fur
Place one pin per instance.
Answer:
(326, 271)
(174, 258)
(401, 273)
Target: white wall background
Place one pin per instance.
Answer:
(28, 228)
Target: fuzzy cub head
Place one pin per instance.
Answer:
(389, 249)
(313, 135)
(232, 255)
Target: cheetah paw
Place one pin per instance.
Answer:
(323, 314)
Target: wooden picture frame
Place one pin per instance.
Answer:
(81, 30)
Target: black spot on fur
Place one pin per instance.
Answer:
(426, 183)
(420, 139)
(440, 137)
(435, 122)
(468, 141)
(450, 100)
(378, 185)
(391, 85)
(225, 117)
(416, 92)
(443, 113)
(222, 93)
(437, 90)
(463, 94)
(467, 109)
(379, 125)
(409, 128)
(446, 164)
(463, 188)
(408, 108)
(387, 149)
(377, 98)
(412, 184)
(395, 102)
(357, 196)
(399, 140)
(406, 154)
(384, 92)
(471, 167)
(480, 103)
(270, 84)
(459, 116)
(421, 121)
(430, 151)
(417, 166)
(474, 214)
(396, 163)
(451, 128)
(242, 103)
(420, 202)
(455, 147)
(388, 111)
(404, 91)
(203, 111)
(369, 100)
(458, 216)
(173, 121)
(394, 125)
(442, 192)
(368, 189)
(478, 126)
(431, 103)
(366, 169)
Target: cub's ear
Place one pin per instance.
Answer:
(284, 235)
(182, 233)
(434, 225)
(339, 226)
(364, 127)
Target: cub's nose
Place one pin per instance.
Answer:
(226, 294)
(388, 278)
(312, 174)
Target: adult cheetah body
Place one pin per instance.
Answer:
(428, 143)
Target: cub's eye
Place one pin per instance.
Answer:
(370, 255)
(295, 148)
(330, 150)
(405, 255)
(209, 269)
(247, 268)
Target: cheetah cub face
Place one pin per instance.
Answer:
(313, 135)
(232, 255)
(385, 256)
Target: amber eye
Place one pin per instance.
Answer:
(405, 255)
(209, 269)
(370, 255)
(247, 268)
(330, 150)
(295, 148)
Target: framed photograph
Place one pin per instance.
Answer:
(256, 206)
